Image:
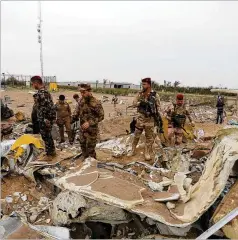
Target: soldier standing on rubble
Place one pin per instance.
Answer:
(176, 115)
(147, 103)
(46, 115)
(63, 112)
(90, 112)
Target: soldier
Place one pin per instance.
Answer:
(46, 115)
(176, 115)
(34, 119)
(63, 112)
(115, 101)
(76, 97)
(90, 112)
(220, 109)
(147, 103)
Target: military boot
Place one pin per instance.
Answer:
(133, 150)
(147, 152)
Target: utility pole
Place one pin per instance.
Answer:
(39, 30)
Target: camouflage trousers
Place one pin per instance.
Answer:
(175, 135)
(146, 124)
(88, 140)
(65, 122)
(45, 132)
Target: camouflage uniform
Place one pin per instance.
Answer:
(63, 111)
(34, 120)
(89, 111)
(175, 131)
(146, 123)
(46, 111)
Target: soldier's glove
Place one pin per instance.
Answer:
(192, 124)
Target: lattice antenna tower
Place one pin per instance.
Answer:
(39, 30)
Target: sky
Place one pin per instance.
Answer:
(193, 42)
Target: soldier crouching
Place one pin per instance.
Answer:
(90, 112)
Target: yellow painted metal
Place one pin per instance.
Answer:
(20, 116)
(53, 87)
(27, 139)
(189, 129)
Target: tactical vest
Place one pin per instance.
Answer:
(147, 106)
(179, 116)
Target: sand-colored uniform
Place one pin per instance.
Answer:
(89, 110)
(144, 122)
(176, 115)
(63, 112)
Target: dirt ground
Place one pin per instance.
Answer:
(20, 97)
(114, 123)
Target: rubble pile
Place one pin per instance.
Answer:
(116, 199)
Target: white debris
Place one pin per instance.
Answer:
(33, 218)
(16, 194)
(65, 204)
(155, 186)
(9, 199)
(170, 205)
(174, 196)
(5, 147)
(47, 220)
(44, 201)
(24, 197)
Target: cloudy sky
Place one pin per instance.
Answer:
(192, 42)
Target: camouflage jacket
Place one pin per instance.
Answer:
(45, 106)
(89, 111)
(143, 97)
(63, 110)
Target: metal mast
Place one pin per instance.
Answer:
(40, 38)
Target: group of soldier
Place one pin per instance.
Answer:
(45, 113)
(149, 118)
(89, 112)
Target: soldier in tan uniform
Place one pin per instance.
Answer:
(148, 104)
(176, 115)
(90, 112)
(63, 112)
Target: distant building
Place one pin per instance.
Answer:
(101, 85)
